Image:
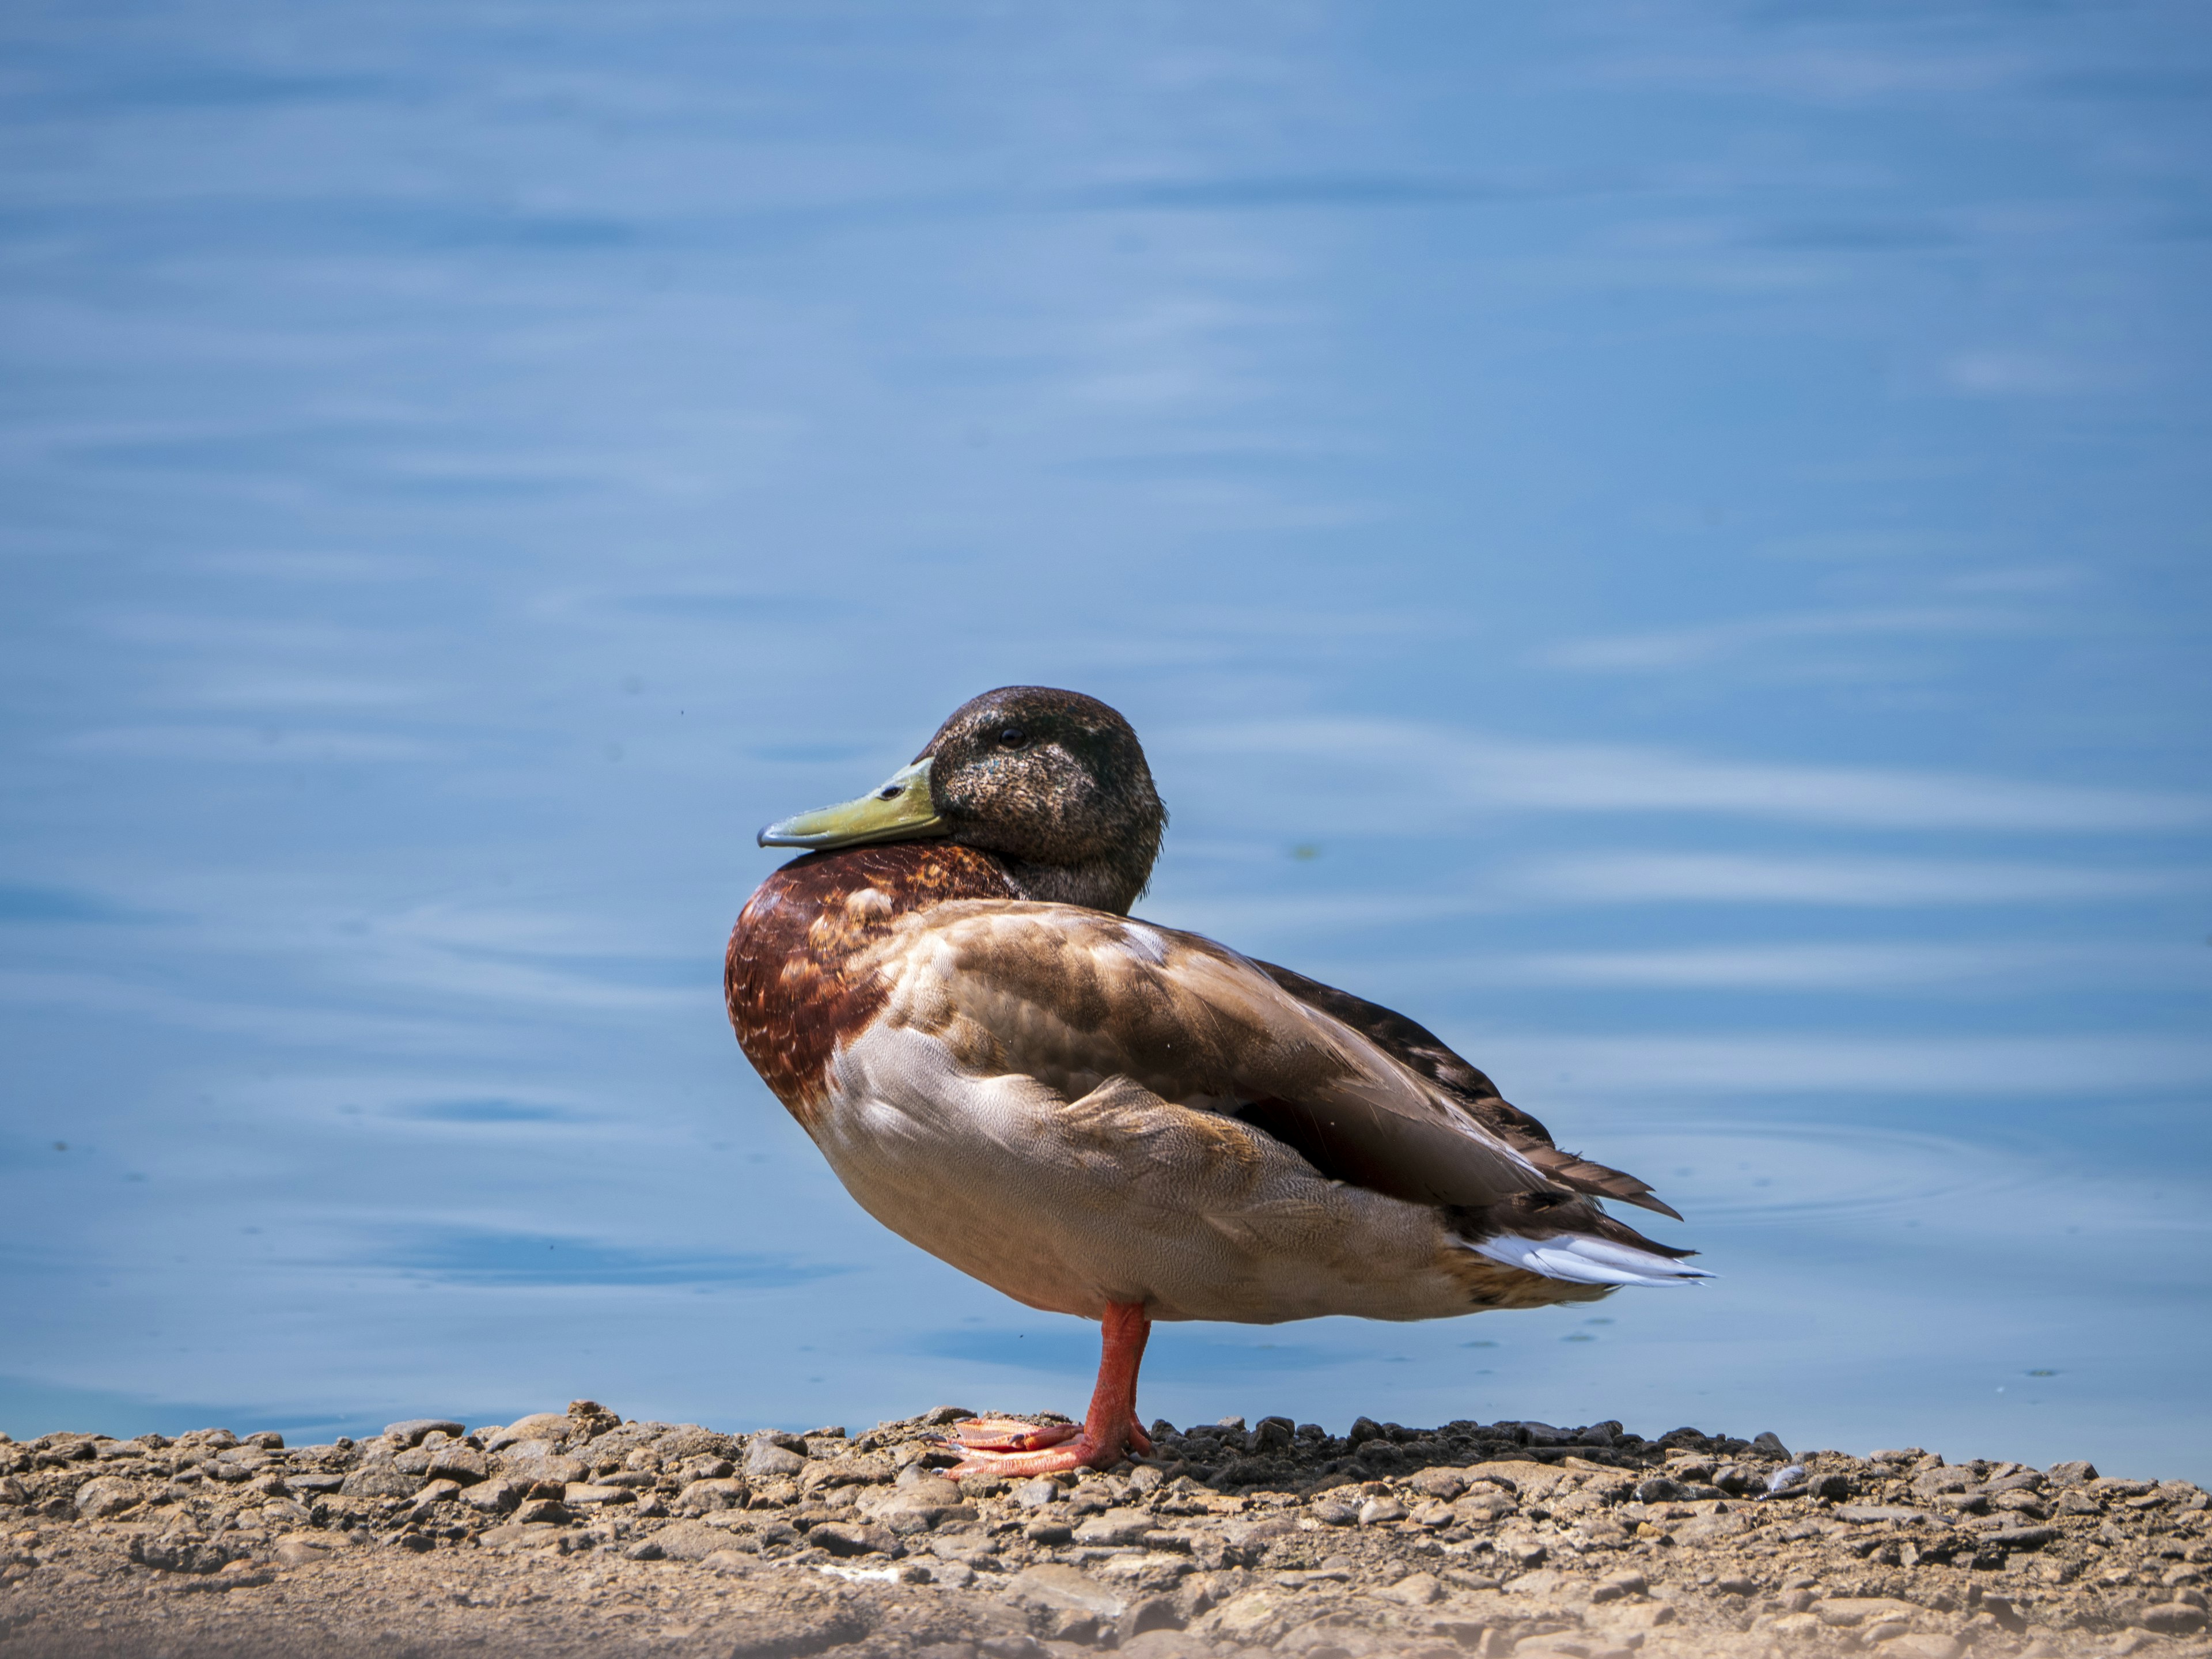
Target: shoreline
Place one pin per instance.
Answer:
(580, 1532)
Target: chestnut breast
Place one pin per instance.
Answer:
(795, 979)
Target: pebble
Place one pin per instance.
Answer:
(766, 1461)
(412, 1431)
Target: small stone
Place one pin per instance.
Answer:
(1036, 1494)
(1416, 1589)
(379, 1480)
(536, 1460)
(647, 1550)
(1621, 1585)
(496, 1497)
(1048, 1531)
(541, 1510)
(1442, 1484)
(2172, 1618)
(843, 1538)
(1376, 1510)
(539, 1426)
(2073, 1473)
(1115, 1527)
(705, 1495)
(766, 1461)
(1920, 1647)
(410, 1432)
(937, 1416)
(105, 1495)
(1769, 1444)
(456, 1460)
(587, 1497)
(302, 1553)
(1335, 1512)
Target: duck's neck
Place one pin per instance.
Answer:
(1098, 885)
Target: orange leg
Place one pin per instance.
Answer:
(999, 1445)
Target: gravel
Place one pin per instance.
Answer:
(579, 1533)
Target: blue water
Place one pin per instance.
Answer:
(1668, 541)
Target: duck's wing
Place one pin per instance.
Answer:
(1070, 997)
(1417, 1046)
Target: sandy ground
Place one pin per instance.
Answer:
(577, 1532)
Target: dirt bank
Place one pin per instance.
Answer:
(579, 1533)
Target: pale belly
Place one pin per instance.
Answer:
(1120, 1197)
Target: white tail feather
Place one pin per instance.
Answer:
(1581, 1260)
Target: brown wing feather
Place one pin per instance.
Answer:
(1072, 997)
(1422, 1049)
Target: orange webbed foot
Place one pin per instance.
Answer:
(1009, 1434)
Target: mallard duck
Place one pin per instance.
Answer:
(1103, 1117)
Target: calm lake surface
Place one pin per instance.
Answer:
(1669, 543)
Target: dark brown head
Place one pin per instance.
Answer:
(1052, 782)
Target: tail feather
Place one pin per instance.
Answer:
(1581, 1259)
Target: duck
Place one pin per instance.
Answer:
(1099, 1115)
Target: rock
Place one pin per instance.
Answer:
(579, 1495)
(1659, 1489)
(410, 1432)
(690, 1540)
(458, 1460)
(1919, 1647)
(541, 1511)
(540, 1426)
(1441, 1484)
(646, 1550)
(1048, 1531)
(2172, 1618)
(496, 1497)
(847, 1538)
(1863, 1514)
(184, 1554)
(2020, 1538)
(937, 1416)
(765, 1460)
(1115, 1527)
(522, 1535)
(536, 1460)
(1252, 1619)
(379, 1480)
(1619, 1586)
(1036, 1494)
(302, 1552)
(705, 1495)
(1848, 1612)
(1065, 1588)
(726, 1560)
(105, 1495)
(1416, 1589)
(1769, 1444)
(2072, 1474)
(1376, 1510)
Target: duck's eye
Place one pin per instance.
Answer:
(1012, 737)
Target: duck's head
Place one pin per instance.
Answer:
(1052, 782)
